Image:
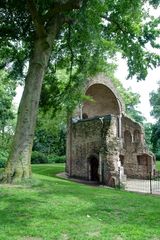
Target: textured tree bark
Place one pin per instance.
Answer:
(19, 163)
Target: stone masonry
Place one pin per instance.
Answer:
(103, 144)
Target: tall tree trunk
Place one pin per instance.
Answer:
(19, 161)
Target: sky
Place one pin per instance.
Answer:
(142, 87)
(17, 98)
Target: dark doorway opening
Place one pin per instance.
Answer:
(121, 158)
(94, 164)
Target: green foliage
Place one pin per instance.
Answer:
(7, 115)
(60, 91)
(84, 42)
(156, 134)
(155, 138)
(158, 164)
(3, 158)
(157, 155)
(49, 142)
(155, 103)
(38, 157)
(7, 92)
(88, 34)
(56, 159)
(148, 134)
(50, 135)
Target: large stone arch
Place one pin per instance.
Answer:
(106, 99)
(100, 126)
(102, 79)
(103, 101)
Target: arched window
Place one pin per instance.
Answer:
(127, 138)
(142, 159)
(137, 136)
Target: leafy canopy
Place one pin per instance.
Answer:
(90, 34)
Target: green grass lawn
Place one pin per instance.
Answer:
(158, 165)
(52, 208)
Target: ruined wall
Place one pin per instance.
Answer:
(135, 158)
(86, 140)
(95, 137)
(105, 139)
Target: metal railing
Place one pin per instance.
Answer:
(147, 184)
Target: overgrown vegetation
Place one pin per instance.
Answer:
(39, 157)
(7, 115)
(51, 208)
(155, 137)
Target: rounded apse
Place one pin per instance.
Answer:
(103, 101)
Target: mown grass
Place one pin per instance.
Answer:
(158, 165)
(51, 208)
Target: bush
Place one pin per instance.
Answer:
(158, 155)
(38, 157)
(56, 159)
(49, 143)
(3, 159)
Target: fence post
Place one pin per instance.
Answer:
(150, 181)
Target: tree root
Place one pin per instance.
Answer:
(3, 178)
(15, 174)
(8, 178)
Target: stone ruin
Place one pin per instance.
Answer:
(103, 144)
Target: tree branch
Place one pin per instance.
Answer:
(118, 25)
(59, 8)
(40, 29)
(70, 49)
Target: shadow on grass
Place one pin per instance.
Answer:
(53, 206)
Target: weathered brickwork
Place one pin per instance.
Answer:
(102, 143)
(95, 138)
(137, 160)
(87, 140)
